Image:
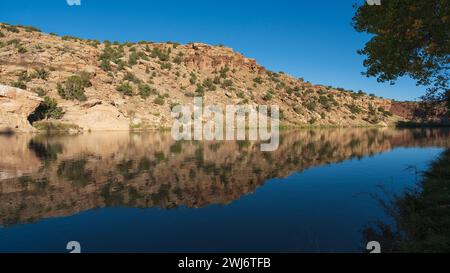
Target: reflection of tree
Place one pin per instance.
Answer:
(421, 217)
(45, 150)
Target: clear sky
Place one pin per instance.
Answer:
(304, 38)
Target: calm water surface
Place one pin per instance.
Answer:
(122, 192)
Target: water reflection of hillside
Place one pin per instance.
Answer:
(43, 177)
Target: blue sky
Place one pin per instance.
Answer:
(310, 39)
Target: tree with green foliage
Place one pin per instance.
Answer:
(74, 87)
(125, 88)
(47, 109)
(409, 38)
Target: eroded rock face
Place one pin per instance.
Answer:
(173, 72)
(15, 107)
(96, 116)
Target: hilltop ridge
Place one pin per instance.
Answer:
(119, 86)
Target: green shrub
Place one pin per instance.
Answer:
(209, 84)
(166, 65)
(193, 78)
(268, 96)
(19, 84)
(258, 80)
(74, 87)
(311, 106)
(326, 103)
(145, 90)
(384, 111)
(111, 54)
(125, 88)
(22, 50)
(354, 109)
(161, 55)
(223, 72)
(24, 77)
(133, 59)
(30, 28)
(298, 109)
(200, 91)
(227, 83)
(11, 28)
(2, 35)
(159, 100)
(47, 109)
(15, 42)
(132, 78)
(54, 127)
(178, 60)
(41, 73)
(40, 91)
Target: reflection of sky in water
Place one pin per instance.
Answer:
(323, 208)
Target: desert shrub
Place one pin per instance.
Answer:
(159, 100)
(326, 103)
(30, 28)
(111, 54)
(298, 109)
(311, 106)
(178, 59)
(24, 77)
(47, 109)
(15, 42)
(11, 28)
(146, 90)
(223, 72)
(74, 87)
(312, 120)
(93, 43)
(125, 88)
(41, 73)
(133, 59)
(372, 110)
(268, 96)
(132, 78)
(227, 83)
(161, 55)
(384, 111)
(166, 65)
(19, 84)
(216, 80)
(2, 35)
(200, 91)
(40, 91)
(69, 38)
(258, 80)
(240, 95)
(22, 50)
(354, 109)
(193, 78)
(209, 84)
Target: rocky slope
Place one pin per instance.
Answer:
(112, 86)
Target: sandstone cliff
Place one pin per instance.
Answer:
(112, 86)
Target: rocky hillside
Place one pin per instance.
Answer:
(111, 86)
